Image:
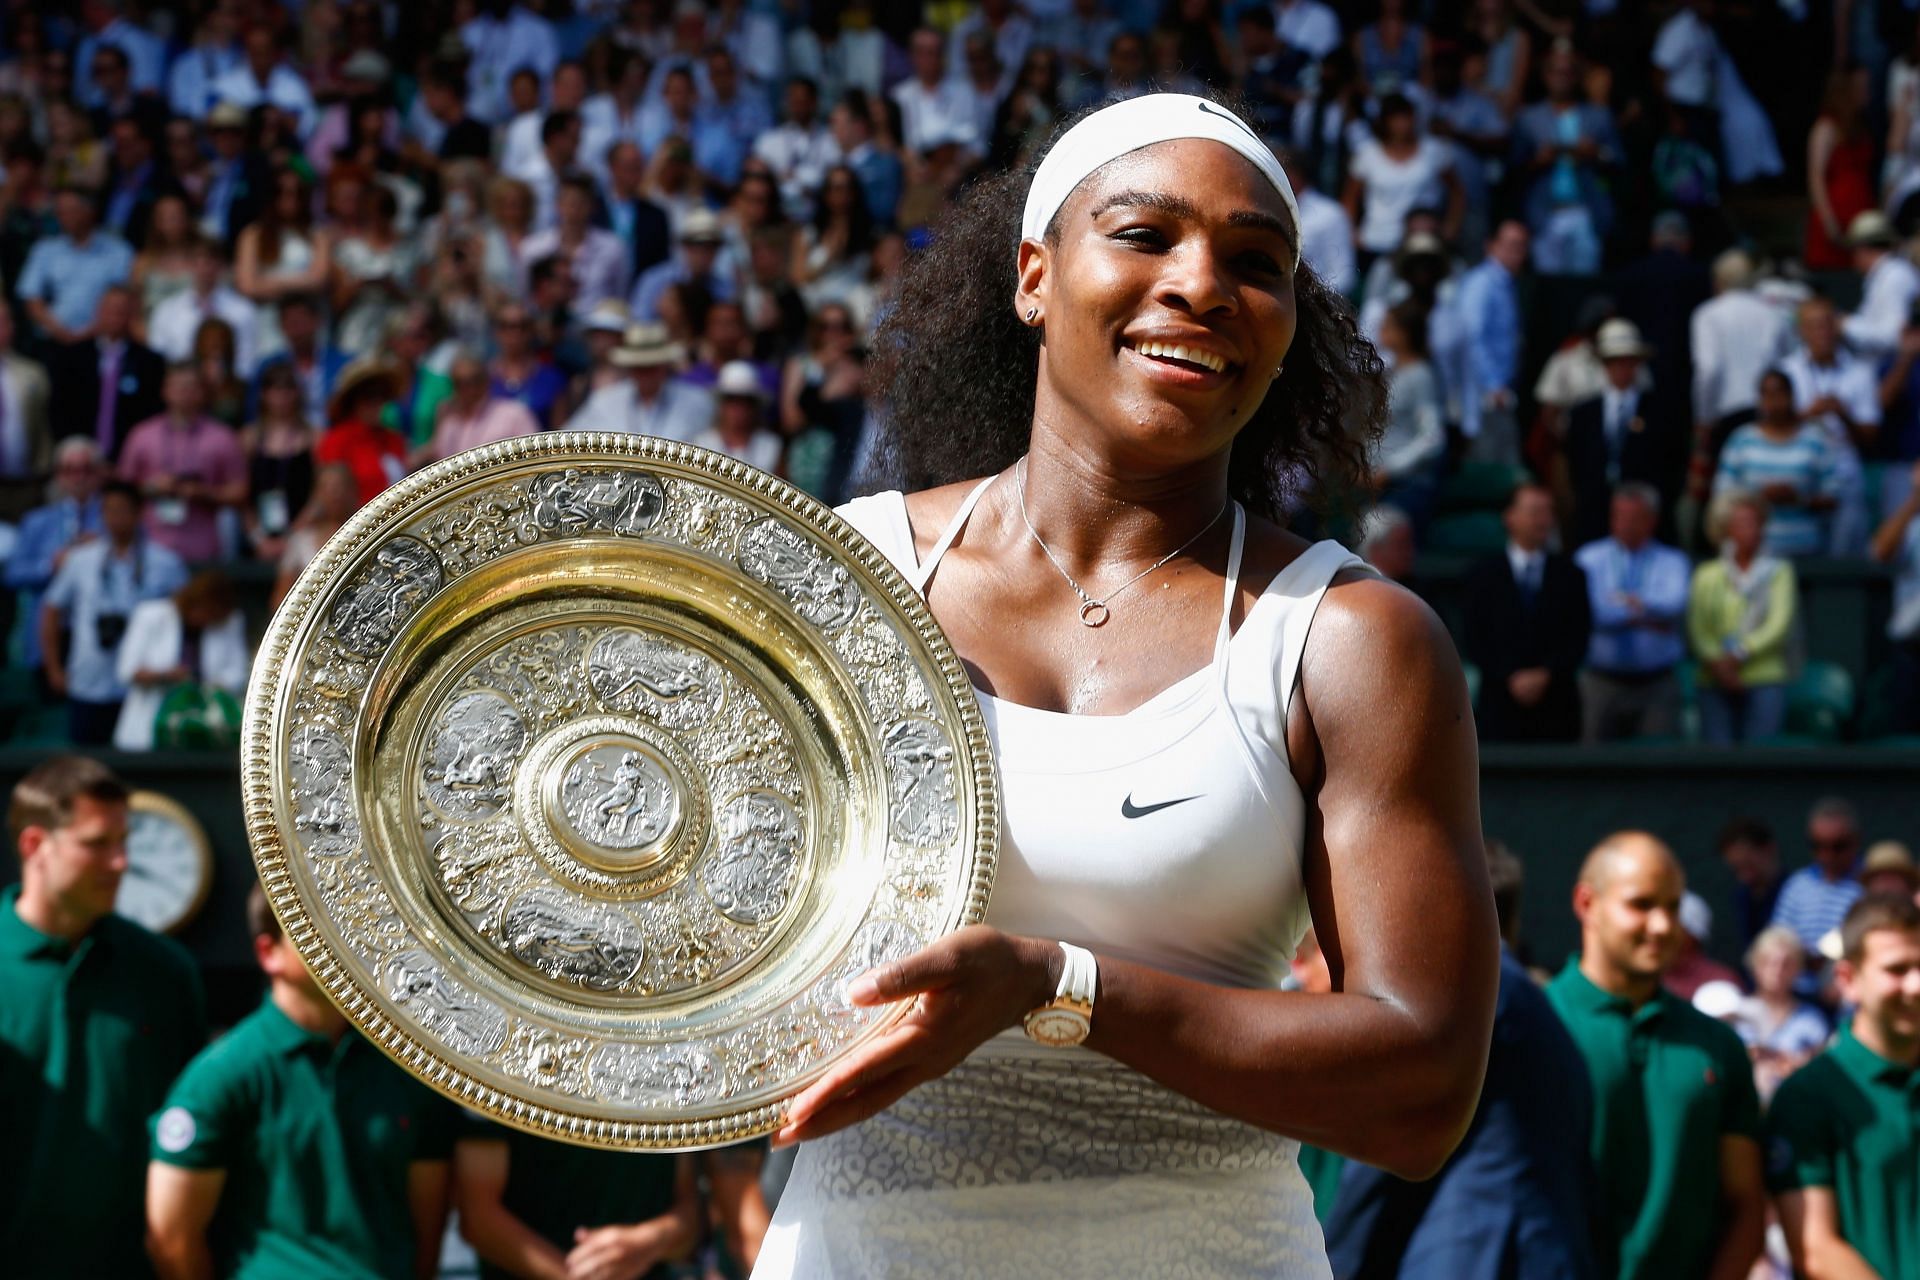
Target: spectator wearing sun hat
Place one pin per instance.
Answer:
(1889, 868)
(740, 418)
(698, 261)
(1890, 283)
(650, 400)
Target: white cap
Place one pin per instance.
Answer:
(739, 378)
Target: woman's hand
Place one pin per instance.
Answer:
(970, 985)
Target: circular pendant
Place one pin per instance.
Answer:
(1094, 613)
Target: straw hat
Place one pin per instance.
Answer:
(1890, 857)
(364, 373)
(227, 115)
(646, 346)
(701, 226)
(1620, 339)
(1871, 229)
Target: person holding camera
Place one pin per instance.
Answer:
(83, 618)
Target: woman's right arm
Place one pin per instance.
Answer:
(246, 265)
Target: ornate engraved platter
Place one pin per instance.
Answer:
(585, 771)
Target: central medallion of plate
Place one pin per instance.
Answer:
(615, 802)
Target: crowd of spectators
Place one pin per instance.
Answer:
(241, 242)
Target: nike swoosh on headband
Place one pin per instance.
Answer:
(1230, 118)
(1128, 809)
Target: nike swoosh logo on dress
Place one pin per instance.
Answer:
(1128, 809)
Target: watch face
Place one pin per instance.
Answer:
(1058, 1027)
(168, 865)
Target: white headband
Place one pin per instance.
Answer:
(1113, 131)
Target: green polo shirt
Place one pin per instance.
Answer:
(91, 1036)
(1668, 1084)
(316, 1137)
(1850, 1121)
(555, 1187)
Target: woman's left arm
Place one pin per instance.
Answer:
(1386, 1069)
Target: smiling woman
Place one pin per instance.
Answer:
(1198, 754)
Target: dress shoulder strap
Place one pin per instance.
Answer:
(1305, 583)
(923, 572)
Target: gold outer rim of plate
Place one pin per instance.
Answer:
(383, 517)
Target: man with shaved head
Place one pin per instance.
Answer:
(1676, 1120)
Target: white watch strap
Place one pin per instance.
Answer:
(1078, 976)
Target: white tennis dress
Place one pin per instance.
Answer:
(1170, 835)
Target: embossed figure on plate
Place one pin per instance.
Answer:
(618, 797)
(590, 944)
(818, 587)
(573, 501)
(919, 760)
(374, 606)
(468, 771)
(649, 1075)
(321, 787)
(634, 670)
(752, 869)
(461, 1020)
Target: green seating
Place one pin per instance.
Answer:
(1480, 486)
(1474, 531)
(1473, 684)
(1820, 703)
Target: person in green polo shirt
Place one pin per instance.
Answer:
(293, 1148)
(1676, 1120)
(97, 1016)
(544, 1210)
(1843, 1139)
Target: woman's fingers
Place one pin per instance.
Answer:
(852, 1108)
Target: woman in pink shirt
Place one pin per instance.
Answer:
(473, 415)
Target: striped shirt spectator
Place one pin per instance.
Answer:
(1799, 476)
(1815, 898)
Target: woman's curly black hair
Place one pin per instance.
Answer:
(955, 370)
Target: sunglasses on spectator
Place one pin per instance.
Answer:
(1842, 844)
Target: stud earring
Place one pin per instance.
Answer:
(1277, 372)
(1031, 313)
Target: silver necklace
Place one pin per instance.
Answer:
(1095, 612)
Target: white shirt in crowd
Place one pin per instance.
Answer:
(1886, 300)
(1395, 188)
(498, 47)
(1326, 240)
(799, 158)
(1737, 336)
(520, 154)
(944, 111)
(1688, 51)
(283, 88)
(1308, 25)
(762, 449)
(175, 323)
(152, 643)
(681, 412)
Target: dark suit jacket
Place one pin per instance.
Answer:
(1515, 1200)
(651, 240)
(1505, 636)
(76, 389)
(1653, 451)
